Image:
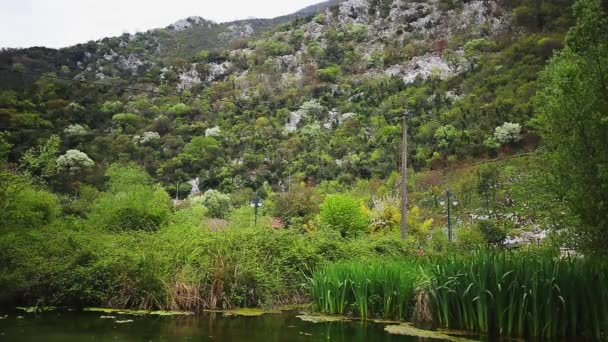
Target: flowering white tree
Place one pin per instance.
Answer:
(507, 133)
(147, 137)
(212, 132)
(75, 130)
(74, 161)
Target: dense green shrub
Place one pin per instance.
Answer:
(491, 233)
(297, 206)
(345, 214)
(469, 237)
(131, 202)
(573, 108)
(135, 208)
(73, 262)
(217, 203)
(23, 205)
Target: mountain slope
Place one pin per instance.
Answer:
(314, 97)
(181, 40)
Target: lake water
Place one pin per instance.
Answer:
(88, 326)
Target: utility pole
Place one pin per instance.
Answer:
(177, 192)
(448, 194)
(256, 204)
(451, 200)
(404, 177)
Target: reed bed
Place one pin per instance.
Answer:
(521, 294)
(372, 289)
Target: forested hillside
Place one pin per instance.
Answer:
(256, 163)
(309, 97)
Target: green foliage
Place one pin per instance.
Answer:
(42, 160)
(448, 138)
(127, 121)
(297, 206)
(524, 294)
(5, 148)
(274, 48)
(180, 109)
(24, 206)
(330, 73)
(345, 214)
(75, 263)
(383, 289)
(487, 184)
(111, 107)
(217, 203)
(491, 233)
(573, 109)
(130, 203)
(470, 237)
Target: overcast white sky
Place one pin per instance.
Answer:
(60, 23)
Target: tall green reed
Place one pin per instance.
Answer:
(520, 294)
(372, 289)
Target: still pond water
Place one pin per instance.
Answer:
(88, 326)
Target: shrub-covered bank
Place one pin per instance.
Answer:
(515, 294)
(181, 267)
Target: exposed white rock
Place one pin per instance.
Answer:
(240, 30)
(354, 11)
(287, 63)
(189, 78)
(130, 63)
(423, 67)
(110, 56)
(239, 52)
(293, 120)
(452, 95)
(334, 117)
(312, 30)
(428, 21)
(217, 70)
(184, 24)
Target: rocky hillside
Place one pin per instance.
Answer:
(313, 96)
(139, 52)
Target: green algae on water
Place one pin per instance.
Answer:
(139, 312)
(322, 318)
(410, 330)
(33, 309)
(247, 312)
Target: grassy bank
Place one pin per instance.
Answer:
(183, 266)
(516, 294)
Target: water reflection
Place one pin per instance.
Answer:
(88, 326)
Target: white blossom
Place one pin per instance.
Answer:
(213, 131)
(508, 133)
(74, 161)
(75, 130)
